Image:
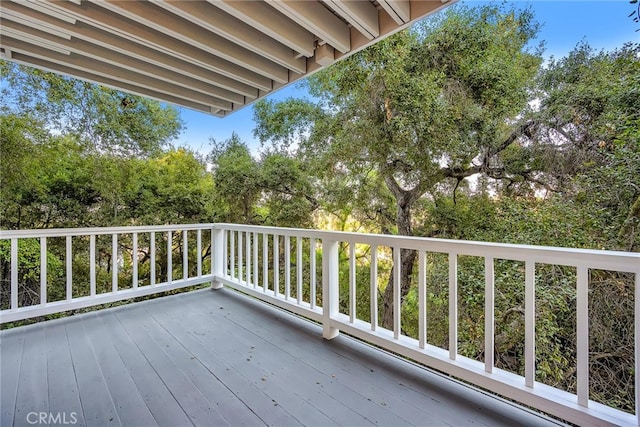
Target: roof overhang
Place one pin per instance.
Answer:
(214, 56)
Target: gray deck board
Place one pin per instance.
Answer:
(204, 377)
(33, 390)
(247, 392)
(97, 404)
(420, 395)
(220, 358)
(197, 406)
(60, 374)
(342, 376)
(294, 381)
(158, 398)
(11, 344)
(234, 354)
(127, 400)
(299, 371)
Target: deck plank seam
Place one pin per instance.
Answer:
(67, 348)
(74, 361)
(110, 348)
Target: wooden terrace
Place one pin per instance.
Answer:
(208, 358)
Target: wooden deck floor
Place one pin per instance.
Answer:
(211, 358)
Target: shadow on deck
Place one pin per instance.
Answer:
(221, 358)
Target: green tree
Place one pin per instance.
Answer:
(274, 189)
(420, 111)
(236, 176)
(288, 193)
(101, 118)
(590, 106)
(20, 137)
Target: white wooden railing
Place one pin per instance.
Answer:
(251, 262)
(80, 292)
(299, 270)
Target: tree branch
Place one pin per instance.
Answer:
(523, 129)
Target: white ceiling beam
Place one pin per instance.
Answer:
(125, 28)
(317, 19)
(361, 14)
(107, 70)
(159, 19)
(268, 21)
(46, 65)
(98, 53)
(128, 48)
(45, 8)
(9, 34)
(399, 10)
(233, 29)
(30, 23)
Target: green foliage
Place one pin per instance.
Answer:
(400, 109)
(272, 190)
(59, 184)
(236, 177)
(29, 274)
(100, 118)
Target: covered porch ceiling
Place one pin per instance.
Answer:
(214, 56)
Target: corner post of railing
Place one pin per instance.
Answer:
(217, 256)
(330, 289)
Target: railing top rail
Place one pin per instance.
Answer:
(88, 231)
(594, 258)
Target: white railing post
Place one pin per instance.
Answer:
(43, 271)
(114, 263)
(352, 282)
(373, 287)
(422, 299)
(247, 242)
(134, 260)
(312, 272)
(582, 335)
(453, 305)
(92, 265)
(489, 314)
(152, 258)
(199, 252)
(69, 268)
(397, 303)
(217, 257)
(14, 274)
(330, 289)
(530, 324)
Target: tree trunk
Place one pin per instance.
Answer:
(407, 261)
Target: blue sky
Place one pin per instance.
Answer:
(603, 24)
